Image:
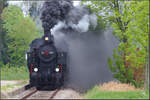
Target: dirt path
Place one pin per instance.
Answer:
(68, 94)
(117, 86)
(8, 82)
(9, 86)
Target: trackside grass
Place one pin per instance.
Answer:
(14, 73)
(96, 93)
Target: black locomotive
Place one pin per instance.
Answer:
(46, 63)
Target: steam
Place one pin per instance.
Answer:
(82, 25)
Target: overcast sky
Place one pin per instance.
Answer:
(25, 7)
(75, 3)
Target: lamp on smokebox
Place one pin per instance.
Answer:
(46, 38)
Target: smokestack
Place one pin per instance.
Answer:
(53, 11)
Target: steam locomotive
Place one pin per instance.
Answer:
(46, 63)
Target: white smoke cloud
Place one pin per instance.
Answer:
(57, 27)
(81, 26)
(76, 3)
(93, 20)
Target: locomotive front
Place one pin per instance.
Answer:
(46, 64)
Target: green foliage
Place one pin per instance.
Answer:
(98, 10)
(96, 93)
(135, 30)
(9, 72)
(130, 21)
(3, 4)
(20, 32)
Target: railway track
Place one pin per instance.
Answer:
(33, 93)
(29, 94)
(56, 91)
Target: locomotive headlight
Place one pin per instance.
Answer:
(35, 69)
(57, 69)
(46, 38)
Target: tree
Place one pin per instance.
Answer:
(20, 32)
(3, 4)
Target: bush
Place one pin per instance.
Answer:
(9, 72)
(129, 60)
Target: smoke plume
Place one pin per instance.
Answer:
(61, 14)
(87, 51)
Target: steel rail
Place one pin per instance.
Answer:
(29, 94)
(54, 94)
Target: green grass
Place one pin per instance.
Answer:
(14, 73)
(96, 93)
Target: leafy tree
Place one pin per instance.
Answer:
(130, 22)
(3, 4)
(20, 32)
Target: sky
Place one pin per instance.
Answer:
(75, 3)
(25, 8)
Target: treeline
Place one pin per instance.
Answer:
(16, 33)
(130, 21)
